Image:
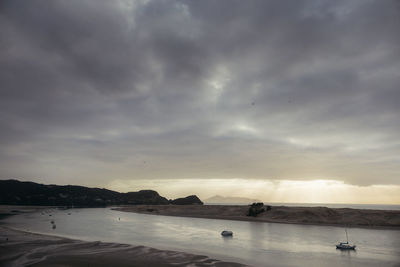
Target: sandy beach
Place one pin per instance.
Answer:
(22, 248)
(18, 248)
(280, 214)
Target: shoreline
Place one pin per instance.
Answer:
(320, 216)
(25, 248)
(22, 248)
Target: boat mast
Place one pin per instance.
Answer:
(347, 238)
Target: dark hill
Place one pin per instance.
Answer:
(189, 200)
(144, 197)
(13, 192)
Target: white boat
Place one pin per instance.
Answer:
(227, 233)
(345, 245)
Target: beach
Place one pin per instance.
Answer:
(280, 214)
(19, 248)
(24, 248)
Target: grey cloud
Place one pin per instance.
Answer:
(261, 89)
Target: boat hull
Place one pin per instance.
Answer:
(227, 233)
(345, 247)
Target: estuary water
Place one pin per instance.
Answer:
(253, 243)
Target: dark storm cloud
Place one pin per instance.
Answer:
(220, 89)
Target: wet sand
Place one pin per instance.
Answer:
(18, 248)
(21, 248)
(389, 219)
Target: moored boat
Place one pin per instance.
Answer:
(345, 245)
(227, 233)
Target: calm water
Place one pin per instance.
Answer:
(259, 244)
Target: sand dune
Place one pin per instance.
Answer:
(280, 214)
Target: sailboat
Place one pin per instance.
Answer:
(345, 245)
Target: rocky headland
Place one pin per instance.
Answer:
(14, 192)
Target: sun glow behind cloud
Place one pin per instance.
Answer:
(286, 191)
(158, 94)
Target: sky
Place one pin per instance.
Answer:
(285, 101)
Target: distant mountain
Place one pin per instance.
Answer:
(14, 192)
(231, 200)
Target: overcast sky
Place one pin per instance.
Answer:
(107, 93)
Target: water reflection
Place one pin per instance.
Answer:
(252, 243)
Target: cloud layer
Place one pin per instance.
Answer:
(92, 91)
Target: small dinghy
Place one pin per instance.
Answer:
(227, 233)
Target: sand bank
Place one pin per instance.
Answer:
(280, 214)
(18, 248)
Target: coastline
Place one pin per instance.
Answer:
(341, 217)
